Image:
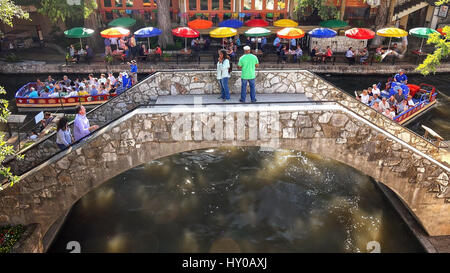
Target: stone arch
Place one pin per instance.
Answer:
(48, 191)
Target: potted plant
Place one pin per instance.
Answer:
(108, 59)
(166, 56)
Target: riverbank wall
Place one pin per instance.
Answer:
(33, 67)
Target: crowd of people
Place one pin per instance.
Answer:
(90, 86)
(391, 101)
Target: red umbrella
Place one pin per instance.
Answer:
(440, 31)
(257, 23)
(185, 32)
(360, 33)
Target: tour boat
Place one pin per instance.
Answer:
(423, 95)
(25, 104)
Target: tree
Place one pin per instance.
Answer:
(61, 10)
(442, 48)
(8, 11)
(164, 23)
(325, 8)
(381, 20)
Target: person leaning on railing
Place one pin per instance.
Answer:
(81, 126)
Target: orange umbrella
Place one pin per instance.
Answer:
(200, 24)
(291, 33)
(115, 32)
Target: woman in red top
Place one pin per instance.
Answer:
(328, 54)
(158, 51)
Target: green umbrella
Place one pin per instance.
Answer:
(257, 32)
(333, 24)
(422, 32)
(125, 22)
(79, 32)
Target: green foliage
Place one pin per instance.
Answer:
(326, 9)
(108, 59)
(305, 58)
(442, 51)
(60, 10)
(177, 46)
(9, 235)
(9, 11)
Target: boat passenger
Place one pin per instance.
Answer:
(365, 97)
(102, 79)
(376, 107)
(401, 77)
(82, 92)
(33, 93)
(66, 80)
(93, 91)
(73, 93)
(49, 80)
(389, 114)
(111, 78)
(410, 101)
(401, 107)
(399, 96)
(392, 102)
(55, 94)
(384, 104)
(39, 85)
(376, 90)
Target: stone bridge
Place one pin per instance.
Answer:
(344, 130)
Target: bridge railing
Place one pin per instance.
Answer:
(46, 147)
(48, 156)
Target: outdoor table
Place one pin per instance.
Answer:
(419, 54)
(185, 52)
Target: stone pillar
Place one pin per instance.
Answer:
(435, 18)
(404, 21)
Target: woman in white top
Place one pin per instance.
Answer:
(375, 90)
(223, 74)
(384, 104)
(365, 97)
(63, 135)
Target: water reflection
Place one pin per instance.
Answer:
(236, 200)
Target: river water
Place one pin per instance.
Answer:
(244, 199)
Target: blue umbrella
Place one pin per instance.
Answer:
(147, 33)
(322, 33)
(231, 23)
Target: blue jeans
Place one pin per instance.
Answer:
(224, 88)
(244, 89)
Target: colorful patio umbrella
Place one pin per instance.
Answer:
(147, 33)
(391, 32)
(79, 32)
(200, 24)
(233, 23)
(285, 23)
(256, 23)
(122, 22)
(441, 31)
(322, 33)
(223, 32)
(422, 32)
(257, 32)
(115, 32)
(290, 33)
(333, 23)
(360, 33)
(185, 32)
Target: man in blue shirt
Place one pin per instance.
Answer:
(133, 71)
(401, 77)
(34, 93)
(94, 91)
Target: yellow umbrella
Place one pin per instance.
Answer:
(285, 23)
(391, 32)
(223, 32)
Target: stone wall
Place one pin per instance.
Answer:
(338, 44)
(198, 83)
(47, 192)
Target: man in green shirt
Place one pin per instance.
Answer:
(248, 63)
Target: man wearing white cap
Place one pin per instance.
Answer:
(248, 63)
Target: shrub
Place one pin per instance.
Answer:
(9, 235)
